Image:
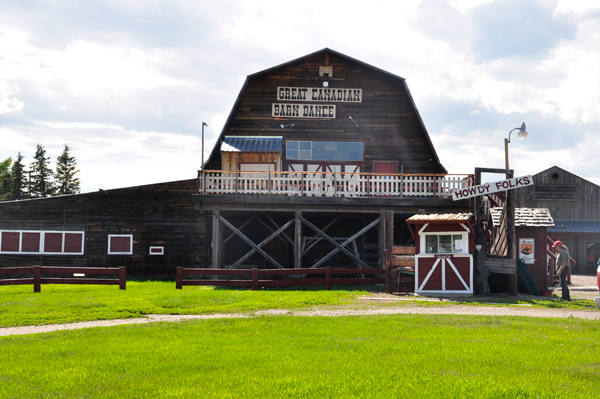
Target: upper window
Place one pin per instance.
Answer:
(325, 150)
(42, 242)
(445, 243)
(120, 244)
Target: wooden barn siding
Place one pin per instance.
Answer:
(156, 215)
(388, 122)
(587, 208)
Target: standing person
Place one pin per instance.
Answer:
(563, 260)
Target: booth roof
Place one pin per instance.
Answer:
(446, 217)
(526, 217)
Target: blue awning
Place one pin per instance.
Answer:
(251, 144)
(571, 226)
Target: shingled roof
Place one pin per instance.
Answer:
(526, 217)
(447, 217)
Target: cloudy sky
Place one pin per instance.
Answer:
(127, 83)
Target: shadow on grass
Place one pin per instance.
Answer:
(545, 302)
(371, 288)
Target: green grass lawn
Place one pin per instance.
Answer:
(403, 356)
(19, 306)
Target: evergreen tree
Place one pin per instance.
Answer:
(17, 179)
(41, 174)
(66, 182)
(5, 179)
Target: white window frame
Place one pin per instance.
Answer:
(162, 251)
(465, 240)
(130, 244)
(42, 242)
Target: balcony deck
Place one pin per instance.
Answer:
(301, 187)
(323, 184)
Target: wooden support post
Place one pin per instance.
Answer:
(511, 235)
(382, 240)
(298, 240)
(216, 240)
(179, 278)
(37, 278)
(389, 223)
(198, 183)
(328, 278)
(255, 285)
(122, 277)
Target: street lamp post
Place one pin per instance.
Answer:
(522, 135)
(204, 124)
(511, 250)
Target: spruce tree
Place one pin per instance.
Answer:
(66, 182)
(5, 179)
(17, 179)
(41, 174)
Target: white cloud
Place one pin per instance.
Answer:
(8, 99)
(128, 83)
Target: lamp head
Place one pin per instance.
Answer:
(204, 124)
(523, 131)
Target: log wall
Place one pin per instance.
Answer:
(156, 215)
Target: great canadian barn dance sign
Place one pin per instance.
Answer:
(312, 94)
(495, 187)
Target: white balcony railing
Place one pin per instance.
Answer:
(322, 184)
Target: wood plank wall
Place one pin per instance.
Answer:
(586, 208)
(388, 122)
(157, 215)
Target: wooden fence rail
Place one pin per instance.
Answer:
(297, 277)
(39, 271)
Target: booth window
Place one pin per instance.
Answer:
(120, 244)
(42, 242)
(445, 243)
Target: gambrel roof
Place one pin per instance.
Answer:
(387, 119)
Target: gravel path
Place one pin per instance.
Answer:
(583, 288)
(404, 309)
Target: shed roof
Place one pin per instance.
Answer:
(571, 226)
(526, 217)
(446, 217)
(252, 144)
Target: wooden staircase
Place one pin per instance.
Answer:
(403, 268)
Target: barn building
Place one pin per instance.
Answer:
(320, 163)
(574, 205)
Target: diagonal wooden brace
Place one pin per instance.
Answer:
(255, 248)
(340, 247)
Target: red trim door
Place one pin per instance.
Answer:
(444, 274)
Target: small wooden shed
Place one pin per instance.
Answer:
(531, 235)
(445, 245)
(251, 154)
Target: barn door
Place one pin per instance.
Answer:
(444, 274)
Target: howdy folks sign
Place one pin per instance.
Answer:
(489, 188)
